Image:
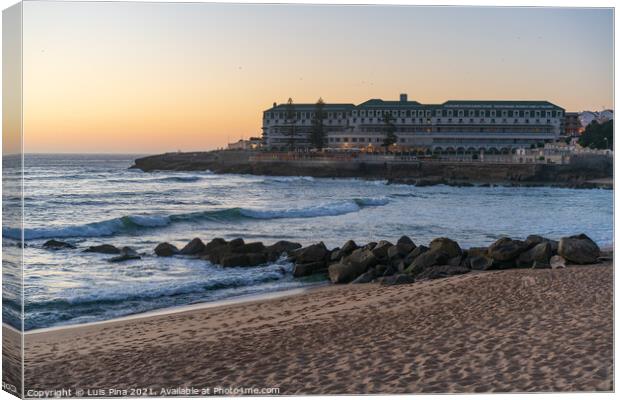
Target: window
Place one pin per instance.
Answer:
(450, 113)
(472, 113)
(537, 114)
(527, 114)
(371, 113)
(438, 113)
(460, 113)
(345, 139)
(420, 113)
(548, 114)
(482, 114)
(354, 139)
(504, 113)
(492, 113)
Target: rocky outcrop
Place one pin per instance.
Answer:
(195, 246)
(104, 249)
(579, 249)
(539, 254)
(166, 250)
(57, 245)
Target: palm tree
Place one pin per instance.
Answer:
(390, 137)
(317, 136)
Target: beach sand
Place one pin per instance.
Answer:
(501, 331)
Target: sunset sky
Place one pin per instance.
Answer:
(155, 77)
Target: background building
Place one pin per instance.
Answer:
(453, 126)
(572, 124)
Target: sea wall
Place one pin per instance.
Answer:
(578, 173)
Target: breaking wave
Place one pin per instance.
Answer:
(134, 223)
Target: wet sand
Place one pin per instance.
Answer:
(500, 331)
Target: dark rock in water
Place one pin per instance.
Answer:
(57, 244)
(579, 249)
(425, 260)
(414, 254)
(283, 246)
(405, 245)
(254, 247)
(481, 263)
(506, 249)
(354, 266)
(234, 260)
(348, 247)
(215, 243)
(166, 249)
(126, 253)
(441, 271)
(103, 248)
(300, 270)
(255, 259)
(540, 253)
(381, 249)
(195, 246)
(312, 253)
(366, 277)
(447, 246)
(236, 243)
(399, 279)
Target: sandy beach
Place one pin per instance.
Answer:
(501, 331)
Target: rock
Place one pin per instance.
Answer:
(540, 253)
(195, 246)
(481, 263)
(234, 260)
(348, 248)
(477, 251)
(312, 253)
(57, 245)
(345, 273)
(364, 259)
(393, 253)
(455, 261)
(426, 260)
(399, 279)
(447, 246)
(126, 253)
(246, 248)
(166, 249)
(236, 243)
(215, 243)
(255, 259)
(557, 262)
(103, 248)
(336, 254)
(506, 249)
(579, 249)
(533, 240)
(381, 249)
(366, 277)
(441, 271)
(370, 246)
(380, 269)
(405, 245)
(414, 254)
(300, 270)
(283, 246)
(389, 271)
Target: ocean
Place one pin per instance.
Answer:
(96, 199)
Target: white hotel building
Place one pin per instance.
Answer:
(454, 126)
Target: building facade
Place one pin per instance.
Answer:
(572, 124)
(453, 126)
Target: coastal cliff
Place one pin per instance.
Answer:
(582, 172)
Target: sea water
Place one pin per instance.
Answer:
(95, 199)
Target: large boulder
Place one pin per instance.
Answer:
(348, 248)
(446, 246)
(441, 271)
(345, 273)
(481, 262)
(283, 246)
(426, 260)
(312, 253)
(234, 260)
(246, 248)
(540, 253)
(364, 259)
(405, 245)
(300, 270)
(579, 249)
(506, 249)
(236, 243)
(104, 249)
(57, 245)
(414, 254)
(166, 249)
(366, 277)
(195, 246)
(381, 249)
